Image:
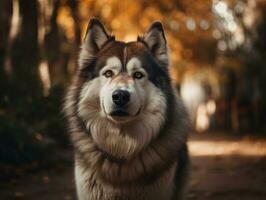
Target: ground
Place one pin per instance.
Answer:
(224, 167)
(227, 167)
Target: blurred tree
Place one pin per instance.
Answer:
(24, 63)
(241, 24)
(5, 22)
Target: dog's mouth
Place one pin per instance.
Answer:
(122, 115)
(119, 112)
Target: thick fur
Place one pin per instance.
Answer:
(145, 156)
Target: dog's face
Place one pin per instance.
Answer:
(123, 85)
(124, 89)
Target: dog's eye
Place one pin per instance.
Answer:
(108, 73)
(138, 75)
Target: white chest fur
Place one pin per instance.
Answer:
(90, 189)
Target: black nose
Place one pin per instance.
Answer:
(120, 97)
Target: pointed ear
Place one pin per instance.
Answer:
(96, 37)
(156, 42)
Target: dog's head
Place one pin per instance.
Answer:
(124, 86)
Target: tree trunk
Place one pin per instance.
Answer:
(25, 54)
(5, 23)
(74, 10)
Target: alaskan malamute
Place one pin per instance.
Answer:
(127, 125)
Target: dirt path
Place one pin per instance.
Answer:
(228, 168)
(223, 168)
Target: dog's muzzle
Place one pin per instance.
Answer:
(120, 98)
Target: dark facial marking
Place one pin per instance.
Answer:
(125, 51)
(112, 48)
(156, 74)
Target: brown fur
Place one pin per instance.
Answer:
(147, 173)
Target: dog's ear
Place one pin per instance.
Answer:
(96, 37)
(156, 42)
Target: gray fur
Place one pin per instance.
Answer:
(157, 171)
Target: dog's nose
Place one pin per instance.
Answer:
(121, 97)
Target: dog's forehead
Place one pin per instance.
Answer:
(125, 53)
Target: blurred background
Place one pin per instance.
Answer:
(218, 54)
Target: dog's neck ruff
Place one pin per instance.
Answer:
(163, 157)
(105, 154)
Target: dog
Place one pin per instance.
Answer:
(128, 127)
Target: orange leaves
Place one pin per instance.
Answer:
(186, 22)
